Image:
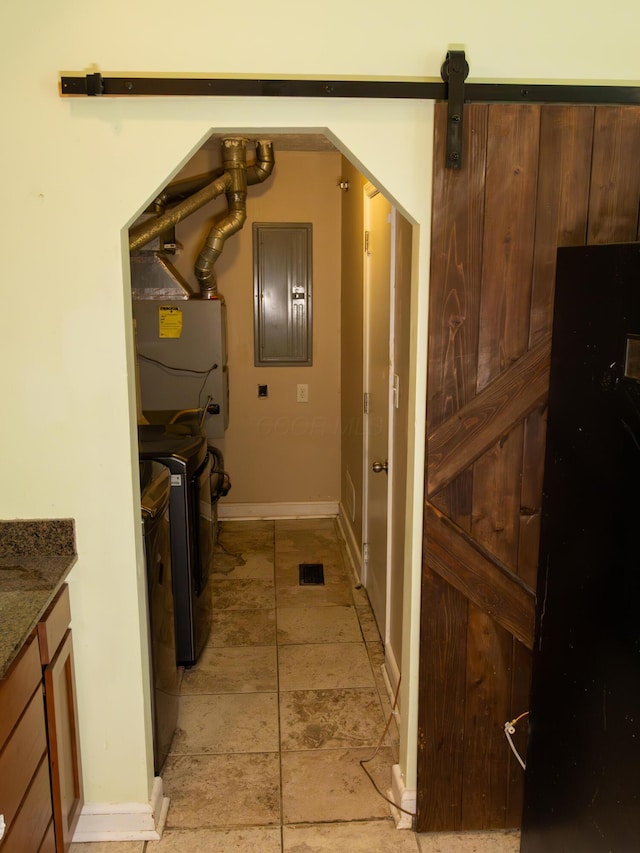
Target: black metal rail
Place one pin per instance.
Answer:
(453, 89)
(96, 84)
(548, 93)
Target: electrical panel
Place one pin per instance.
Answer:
(282, 266)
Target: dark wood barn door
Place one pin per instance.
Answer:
(533, 178)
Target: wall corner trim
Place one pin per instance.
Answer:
(404, 797)
(354, 551)
(124, 821)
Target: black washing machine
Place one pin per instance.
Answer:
(191, 519)
(155, 492)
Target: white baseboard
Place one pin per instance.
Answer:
(353, 546)
(391, 678)
(124, 821)
(311, 509)
(404, 797)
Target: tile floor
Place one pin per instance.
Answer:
(285, 702)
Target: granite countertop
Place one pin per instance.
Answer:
(35, 558)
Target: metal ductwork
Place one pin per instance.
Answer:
(193, 193)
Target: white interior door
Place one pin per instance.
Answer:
(376, 384)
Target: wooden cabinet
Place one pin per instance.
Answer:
(56, 655)
(25, 794)
(40, 774)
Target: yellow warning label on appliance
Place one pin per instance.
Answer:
(169, 321)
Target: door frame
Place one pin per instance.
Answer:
(370, 191)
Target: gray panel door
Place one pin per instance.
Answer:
(282, 293)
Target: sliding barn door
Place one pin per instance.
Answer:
(533, 178)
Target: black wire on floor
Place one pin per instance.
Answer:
(377, 750)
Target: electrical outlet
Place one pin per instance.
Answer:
(263, 390)
(302, 394)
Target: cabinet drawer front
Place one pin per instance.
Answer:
(53, 625)
(21, 756)
(31, 822)
(17, 687)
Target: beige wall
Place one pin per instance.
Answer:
(75, 172)
(351, 345)
(277, 450)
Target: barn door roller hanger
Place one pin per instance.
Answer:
(454, 71)
(453, 88)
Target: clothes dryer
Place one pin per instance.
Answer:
(191, 519)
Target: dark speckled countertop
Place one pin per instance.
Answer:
(35, 558)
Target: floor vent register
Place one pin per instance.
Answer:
(311, 574)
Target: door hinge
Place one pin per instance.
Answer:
(365, 407)
(367, 234)
(365, 552)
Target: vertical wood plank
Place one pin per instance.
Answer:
(456, 267)
(564, 173)
(442, 698)
(508, 251)
(535, 431)
(496, 497)
(520, 690)
(489, 662)
(615, 176)
(512, 159)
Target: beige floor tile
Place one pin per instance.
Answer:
(108, 847)
(375, 652)
(368, 623)
(330, 624)
(288, 566)
(255, 535)
(241, 669)
(324, 666)
(360, 597)
(470, 842)
(234, 722)
(243, 628)
(241, 594)
(379, 836)
(309, 548)
(290, 593)
(243, 564)
(321, 526)
(330, 719)
(330, 785)
(219, 791)
(250, 840)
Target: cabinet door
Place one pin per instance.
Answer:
(64, 752)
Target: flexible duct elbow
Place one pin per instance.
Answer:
(191, 194)
(182, 189)
(143, 233)
(214, 244)
(263, 167)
